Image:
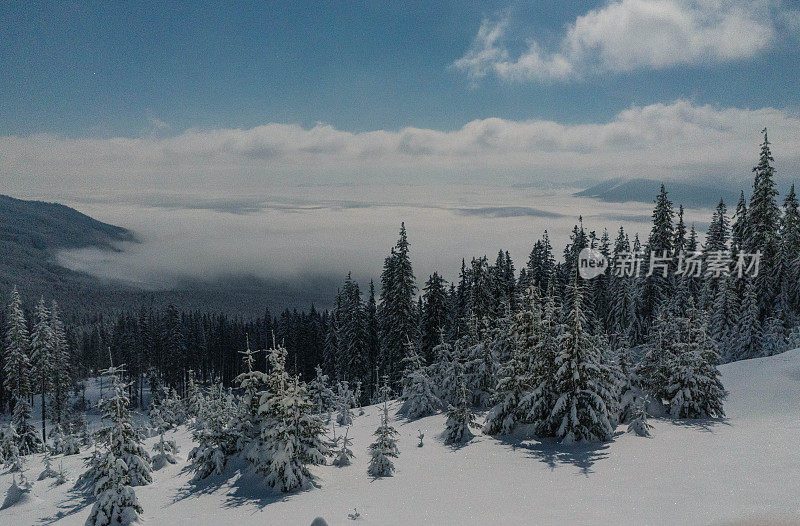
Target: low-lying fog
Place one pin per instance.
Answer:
(299, 231)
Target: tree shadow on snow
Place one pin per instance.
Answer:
(554, 453)
(701, 424)
(240, 486)
(76, 501)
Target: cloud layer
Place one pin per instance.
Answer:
(627, 35)
(672, 141)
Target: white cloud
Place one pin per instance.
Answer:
(626, 35)
(676, 140)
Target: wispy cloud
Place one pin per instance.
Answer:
(627, 35)
(671, 141)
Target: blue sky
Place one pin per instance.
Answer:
(154, 70)
(98, 69)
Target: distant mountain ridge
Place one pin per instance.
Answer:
(645, 190)
(30, 234)
(33, 232)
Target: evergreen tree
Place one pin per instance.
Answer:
(252, 382)
(119, 436)
(537, 404)
(16, 366)
(344, 454)
(581, 410)
(384, 449)
(42, 357)
(397, 314)
(639, 424)
(763, 219)
(344, 402)
(372, 331)
(718, 230)
(694, 389)
(748, 334)
(164, 452)
(434, 315)
(773, 337)
(28, 441)
(419, 398)
(61, 366)
(541, 264)
(514, 377)
(321, 395)
(116, 500)
(217, 434)
(739, 231)
(352, 360)
(787, 276)
(656, 286)
(460, 418)
(294, 439)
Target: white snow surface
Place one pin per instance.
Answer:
(744, 469)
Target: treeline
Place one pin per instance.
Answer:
(367, 335)
(748, 315)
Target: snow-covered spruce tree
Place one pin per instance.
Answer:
(344, 400)
(656, 287)
(173, 409)
(48, 472)
(194, 398)
(638, 423)
(62, 380)
(43, 358)
(351, 359)
(442, 370)
(71, 444)
(537, 403)
(28, 440)
(118, 434)
(397, 312)
(384, 449)
(724, 316)
(787, 278)
(514, 381)
(87, 481)
(56, 436)
(216, 434)
(252, 382)
(763, 221)
(116, 502)
(16, 363)
(480, 365)
(165, 452)
(746, 341)
(321, 395)
(61, 475)
(694, 389)
(434, 315)
(344, 454)
(294, 439)
(581, 410)
(419, 397)
(461, 417)
(773, 337)
(631, 387)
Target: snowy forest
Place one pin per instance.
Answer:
(538, 350)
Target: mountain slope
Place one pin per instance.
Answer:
(740, 470)
(30, 234)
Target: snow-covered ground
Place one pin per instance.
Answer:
(741, 470)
